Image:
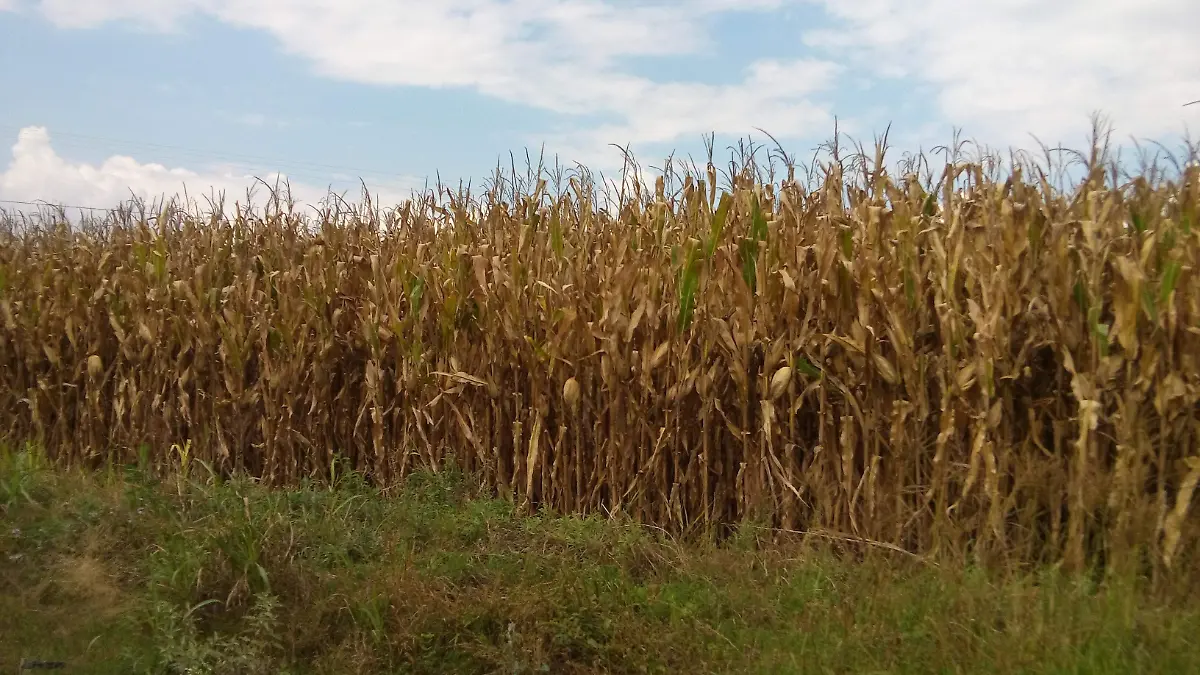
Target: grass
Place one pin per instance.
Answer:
(118, 572)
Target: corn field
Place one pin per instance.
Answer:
(973, 361)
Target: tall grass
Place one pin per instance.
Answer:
(964, 361)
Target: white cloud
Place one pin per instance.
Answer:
(774, 97)
(564, 56)
(1004, 69)
(1001, 69)
(37, 172)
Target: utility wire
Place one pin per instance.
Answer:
(232, 157)
(53, 205)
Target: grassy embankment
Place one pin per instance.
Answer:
(116, 572)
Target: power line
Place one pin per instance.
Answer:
(233, 157)
(53, 205)
(211, 154)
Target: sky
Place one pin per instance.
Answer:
(107, 99)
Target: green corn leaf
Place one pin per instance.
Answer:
(1168, 240)
(718, 224)
(1081, 298)
(1149, 303)
(929, 208)
(556, 236)
(749, 248)
(1170, 277)
(748, 253)
(416, 291)
(807, 368)
(1138, 220)
(758, 222)
(689, 281)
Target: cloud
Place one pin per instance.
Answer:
(1001, 69)
(1008, 68)
(775, 96)
(37, 172)
(565, 56)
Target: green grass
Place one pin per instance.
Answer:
(113, 572)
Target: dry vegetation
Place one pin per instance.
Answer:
(968, 361)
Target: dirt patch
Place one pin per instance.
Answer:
(90, 580)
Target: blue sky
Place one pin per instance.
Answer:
(105, 97)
